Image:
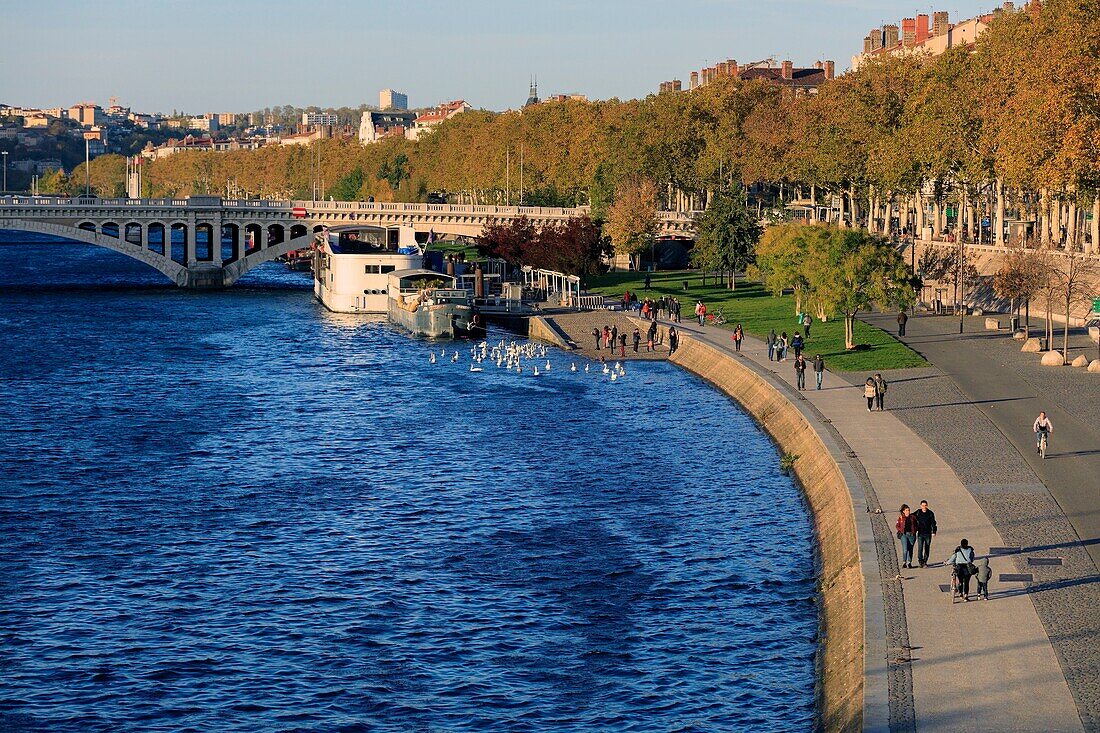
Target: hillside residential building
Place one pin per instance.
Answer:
(426, 122)
(388, 99)
(802, 80)
(310, 119)
(930, 35)
(88, 114)
(375, 126)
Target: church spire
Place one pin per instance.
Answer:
(533, 96)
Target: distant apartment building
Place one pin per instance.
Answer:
(803, 80)
(924, 34)
(428, 121)
(389, 99)
(227, 119)
(375, 126)
(88, 114)
(313, 119)
(566, 98)
(204, 123)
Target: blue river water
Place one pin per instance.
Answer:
(236, 511)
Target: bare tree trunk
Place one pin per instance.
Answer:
(1044, 217)
(1094, 247)
(918, 203)
(999, 220)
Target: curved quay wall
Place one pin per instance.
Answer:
(852, 687)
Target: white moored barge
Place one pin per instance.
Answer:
(352, 264)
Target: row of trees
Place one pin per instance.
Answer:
(1061, 281)
(1009, 128)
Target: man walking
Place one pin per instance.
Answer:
(673, 340)
(614, 337)
(819, 369)
(647, 282)
(676, 306)
(926, 528)
(806, 323)
(880, 392)
(770, 340)
(637, 339)
(902, 318)
(800, 371)
(596, 335)
(797, 344)
(622, 344)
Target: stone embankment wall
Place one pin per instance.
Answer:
(841, 653)
(542, 329)
(988, 261)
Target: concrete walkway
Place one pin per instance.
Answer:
(1012, 397)
(977, 666)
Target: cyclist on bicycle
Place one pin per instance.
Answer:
(1042, 426)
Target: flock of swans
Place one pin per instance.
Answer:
(521, 357)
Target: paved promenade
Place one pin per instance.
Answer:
(978, 666)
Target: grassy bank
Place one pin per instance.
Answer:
(758, 311)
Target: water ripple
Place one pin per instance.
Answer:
(236, 511)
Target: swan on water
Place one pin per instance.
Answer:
(573, 367)
(432, 358)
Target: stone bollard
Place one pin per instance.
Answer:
(1020, 335)
(1053, 358)
(992, 324)
(1094, 367)
(1031, 346)
(1080, 361)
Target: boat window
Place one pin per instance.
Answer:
(388, 268)
(371, 269)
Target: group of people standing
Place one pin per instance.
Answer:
(779, 345)
(612, 339)
(651, 309)
(874, 390)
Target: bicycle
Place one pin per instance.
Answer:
(1043, 444)
(716, 318)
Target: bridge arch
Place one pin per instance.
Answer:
(109, 229)
(132, 233)
(157, 227)
(174, 271)
(254, 257)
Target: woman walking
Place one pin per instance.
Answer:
(906, 527)
(869, 392)
(782, 346)
(738, 336)
(963, 560)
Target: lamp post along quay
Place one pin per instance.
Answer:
(5, 189)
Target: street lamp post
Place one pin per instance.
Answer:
(87, 168)
(5, 189)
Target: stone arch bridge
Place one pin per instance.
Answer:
(209, 242)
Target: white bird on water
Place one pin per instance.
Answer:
(475, 368)
(547, 365)
(587, 367)
(432, 358)
(606, 369)
(573, 367)
(535, 373)
(614, 376)
(454, 358)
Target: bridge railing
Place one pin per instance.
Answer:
(479, 210)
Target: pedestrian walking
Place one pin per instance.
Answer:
(637, 339)
(963, 561)
(926, 528)
(596, 335)
(902, 319)
(700, 312)
(982, 576)
(771, 340)
(614, 337)
(806, 323)
(880, 391)
(906, 527)
(869, 392)
(651, 334)
(676, 305)
(800, 371)
(781, 347)
(647, 282)
(673, 340)
(819, 369)
(797, 344)
(622, 344)
(738, 336)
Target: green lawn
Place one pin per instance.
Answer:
(758, 311)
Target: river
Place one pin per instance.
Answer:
(236, 511)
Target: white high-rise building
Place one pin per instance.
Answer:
(389, 99)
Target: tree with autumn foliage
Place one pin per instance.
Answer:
(632, 219)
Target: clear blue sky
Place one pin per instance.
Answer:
(241, 55)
